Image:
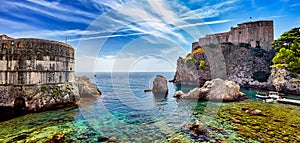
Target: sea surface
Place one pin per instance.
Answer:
(124, 113)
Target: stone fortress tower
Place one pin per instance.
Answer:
(256, 33)
(36, 74)
(35, 61)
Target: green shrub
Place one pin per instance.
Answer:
(190, 62)
(202, 64)
(288, 48)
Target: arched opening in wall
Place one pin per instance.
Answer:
(19, 103)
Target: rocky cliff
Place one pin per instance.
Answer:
(241, 64)
(247, 66)
(284, 81)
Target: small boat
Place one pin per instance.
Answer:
(274, 95)
(262, 95)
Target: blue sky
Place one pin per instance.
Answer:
(131, 35)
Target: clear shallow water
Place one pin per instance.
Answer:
(123, 112)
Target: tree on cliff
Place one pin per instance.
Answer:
(288, 48)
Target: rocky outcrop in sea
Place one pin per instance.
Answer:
(160, 85)
(215, 90)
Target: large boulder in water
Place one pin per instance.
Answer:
(216, 90)
(86, 87)
(160, 85)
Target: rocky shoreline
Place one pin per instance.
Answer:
(45, 97)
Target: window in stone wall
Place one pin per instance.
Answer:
(240, 32)
(257, 43)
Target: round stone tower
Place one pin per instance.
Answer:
(35, 69)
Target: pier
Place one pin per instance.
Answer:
(288, 101)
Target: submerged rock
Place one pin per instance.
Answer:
(216, 90)
(253, 112)
(102, 139)
(160, 85)
(58, 138)
(197, 128)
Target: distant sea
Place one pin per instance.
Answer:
(123, 112)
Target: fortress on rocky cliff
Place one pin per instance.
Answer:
(256, 33)
(30, 61)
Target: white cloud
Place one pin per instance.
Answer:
(204, 23)
(14, 24)
(61, 15)
(209, 11)
(63, 8)
(54, 33)
(295, 5)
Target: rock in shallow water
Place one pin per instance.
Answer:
(215, 90)
(86, 87)
(178, 94)
(197, 128)
(160, 85)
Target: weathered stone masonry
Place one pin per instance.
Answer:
(36, 74)
(35, 61)
(256, 33)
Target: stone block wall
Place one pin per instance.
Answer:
(35, 61)
(257, 34)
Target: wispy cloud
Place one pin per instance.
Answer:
(272, 17)
(52, 10)
(54, 33)
(210, 10)
(205, 23)
(14, 24)
(295, 5)
(63, 8)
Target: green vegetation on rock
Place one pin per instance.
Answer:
(288, 48)
(202, 64)
(190, 61)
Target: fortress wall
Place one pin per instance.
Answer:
(35, 61)
(257, 34)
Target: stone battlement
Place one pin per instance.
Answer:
(256, 33)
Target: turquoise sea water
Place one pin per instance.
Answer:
(123, 113)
